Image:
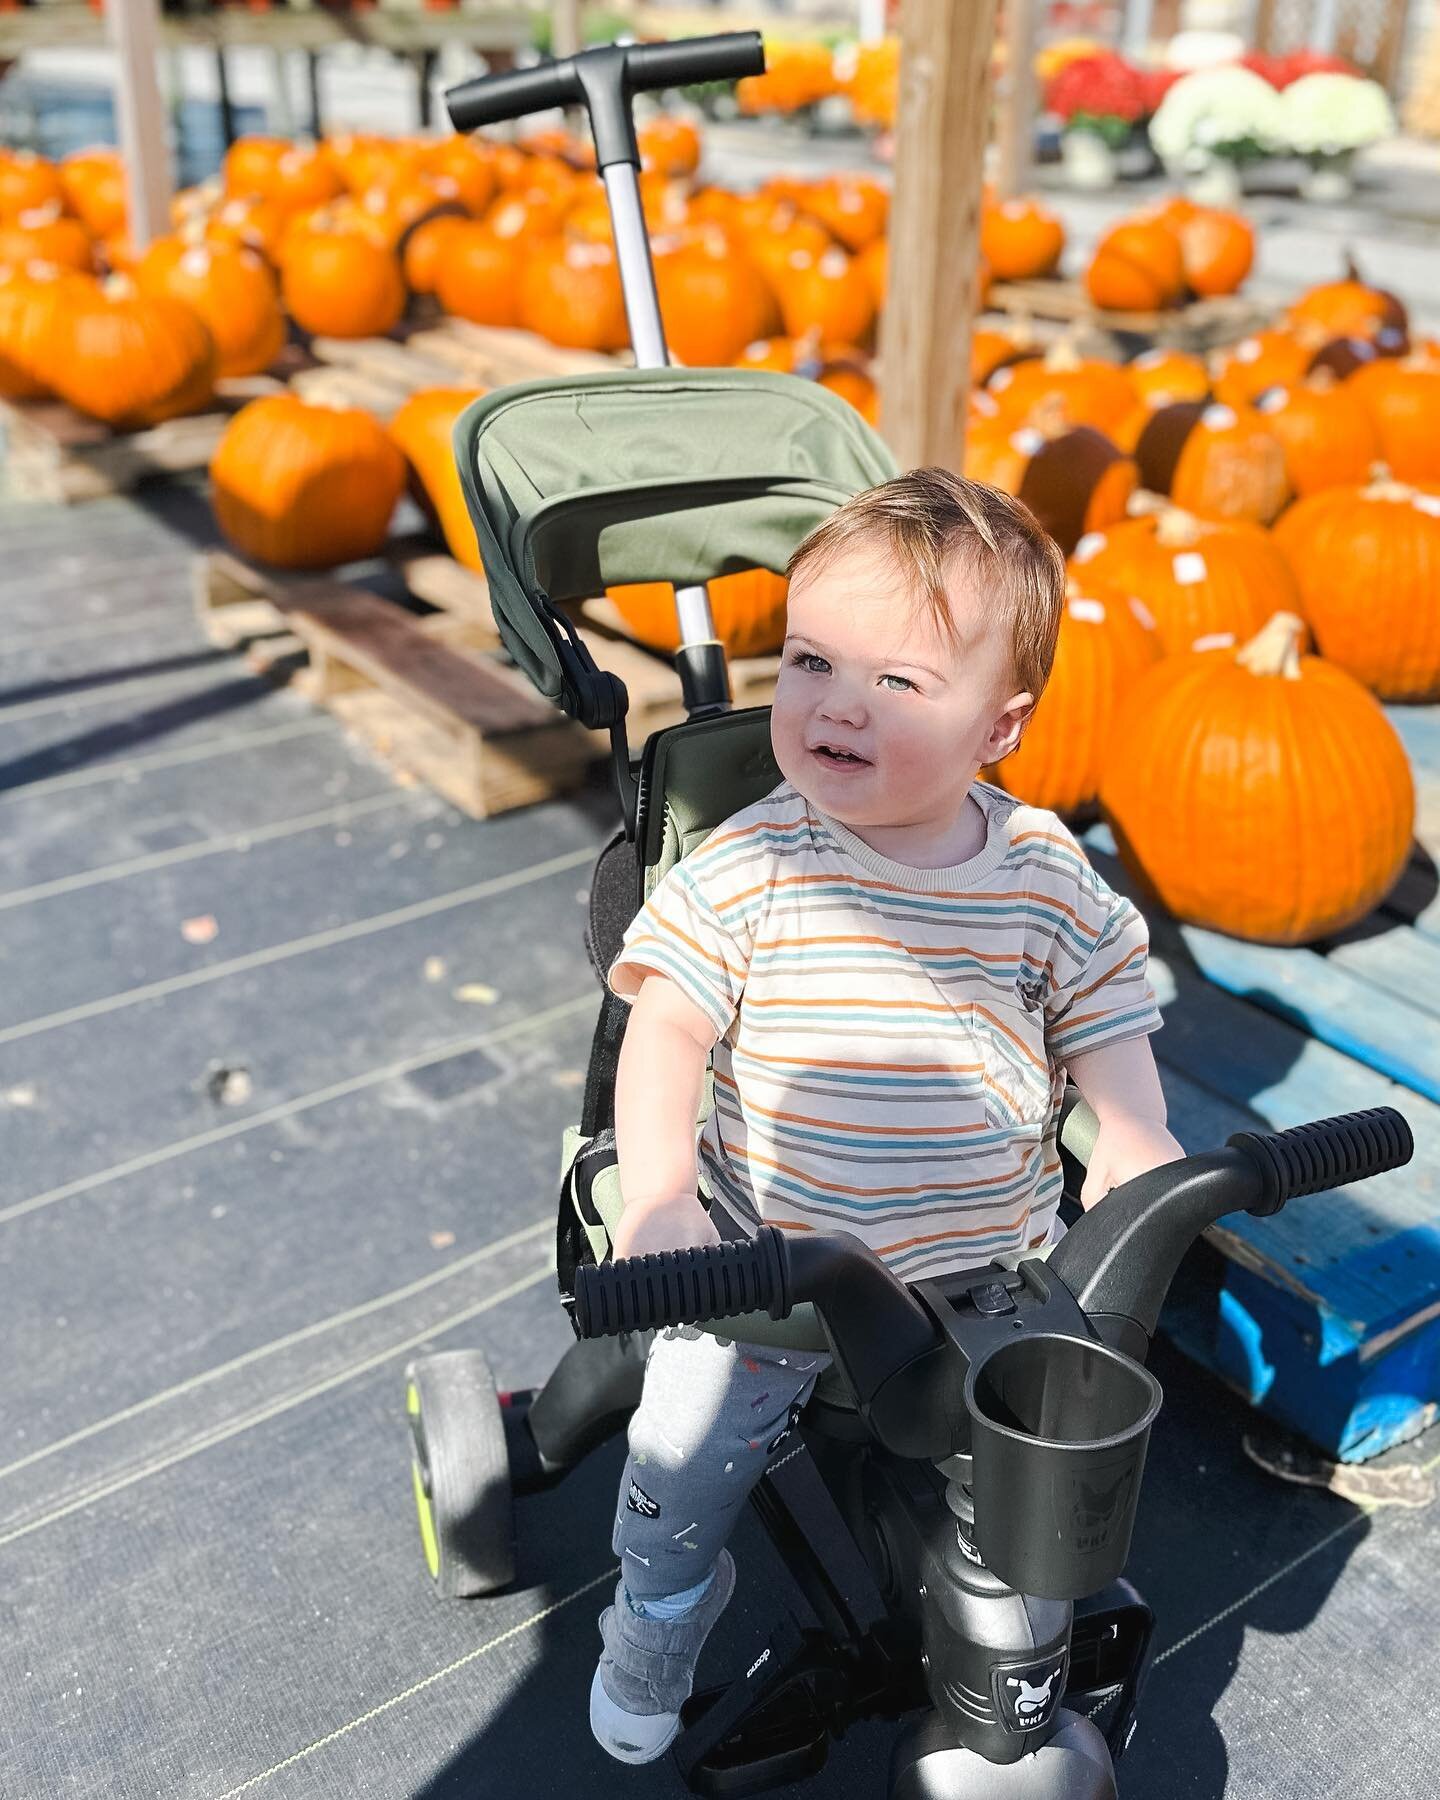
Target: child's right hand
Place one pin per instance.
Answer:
(673, 1222)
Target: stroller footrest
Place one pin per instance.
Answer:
(761, 1730)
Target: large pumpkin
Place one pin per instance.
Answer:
(1265, 360)
(570, 293)
(129, 358)
(1207, 583)
(1260, 792)
(232, 290)
(94, 184)
(1020, 239)
(27, 181)
(1402, 398)
(1137, 267)
(1368, 563)
(713, 300)
(305, 487)
(1347, 308)
(34, 319)
(1106, 643)
(748, 610)
(1066, 387)
(828, 294)
(341, 284)
(45, 234)
(18, 378)
(1217, 249)
(423, 429)
(478, 277)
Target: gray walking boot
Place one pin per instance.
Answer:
(647, 1669)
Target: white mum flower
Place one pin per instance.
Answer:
(1326, 114)
(1215, 106)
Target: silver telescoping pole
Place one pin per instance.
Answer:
(647, 334)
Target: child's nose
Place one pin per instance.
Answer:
(843, 705)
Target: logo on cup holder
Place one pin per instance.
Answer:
(1026, 1694)
(1095, 1507)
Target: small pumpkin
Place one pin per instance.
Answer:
(1217, 250)
(423, 430)
(1264, 360)
(466, 163)
(1066, 386)
(713, 300)
(1402, 399)
(827, 294)
(570, 293)
(1327, 435)
(232, 290)
(1222, 462)
(18, 379)
(94, 184)
(1020, 239)
(1368, 563)
(854, 209)
(478, 278)
(1349, 307)
(35, 304)
(425, 250)
(27, 181)
(670, 144)
(45, 234)
(1137, 267)
(129, 358)
(1260, 792)
(1106, 643)
(1207, 583)
(341, 284)
(301, 486)
(748, 609)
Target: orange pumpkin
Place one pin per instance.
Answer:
(748, 610)
(45, 235)
(425, 251)
(479, 276)
(1106, 643)
(1222, 462)
(251, 222)
(713, 300)
(27, 181)
(827, 294)
(1265, 360)
(1205, 582)
(94, 184)
(1073, 480)
(340, 284)
(300, 486)
(1137, 267)
(232, 290)
(1072, 389)
(773, 236)
(570, 293)
(1347, 308)
(669, 144)
(423, 430)
(1326, 433)
(854, 209)
(1402, 399)
(129, 358)
(463, 161)
(1217, 250)
(1211, 790)
(18, 381)
(1368, 564)
(1020, 239)
(34, 310)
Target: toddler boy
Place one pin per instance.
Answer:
(891, 965)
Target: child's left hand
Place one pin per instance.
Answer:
(1126, 1146)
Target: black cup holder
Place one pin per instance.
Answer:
(1059, 1429)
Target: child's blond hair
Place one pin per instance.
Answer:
(935, 525)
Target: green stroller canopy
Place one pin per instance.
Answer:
(586, 482)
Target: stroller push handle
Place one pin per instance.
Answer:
(603, 80)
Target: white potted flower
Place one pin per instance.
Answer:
(1209, 124)
(1326, 118)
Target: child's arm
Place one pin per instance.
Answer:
(1122, 1085)
(658, 1084)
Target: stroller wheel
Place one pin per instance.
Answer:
(461, 1472)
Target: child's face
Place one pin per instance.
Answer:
(865, 670)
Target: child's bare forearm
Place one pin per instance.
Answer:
(658, 1084)
(1120, 1079)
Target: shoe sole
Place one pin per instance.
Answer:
(627, 1753)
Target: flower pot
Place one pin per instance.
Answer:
(1215, 183)
(1088, 160)
(1329, 178)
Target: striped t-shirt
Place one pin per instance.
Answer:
(892, 1039)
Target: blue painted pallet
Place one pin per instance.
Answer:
(1327, 1316)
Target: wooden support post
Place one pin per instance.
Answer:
(1016, 129)
(940, 136)
(135, 28)
(565, 27)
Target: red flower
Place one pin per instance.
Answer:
(1104, 85)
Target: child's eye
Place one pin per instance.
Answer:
(807, 659)
(904, 681)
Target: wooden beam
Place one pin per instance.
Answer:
(1019, 102)
(940, 136)
(135, 29)
(565, 39)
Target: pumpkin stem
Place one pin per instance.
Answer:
(1382, 485)
(1275, 648)
(1049, 417)
(1142, 504)
(1063, 356)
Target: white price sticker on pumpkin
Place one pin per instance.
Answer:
(1189, 568)
(1090, 545)
(1090, 612)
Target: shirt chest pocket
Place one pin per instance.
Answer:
(1009, 1038)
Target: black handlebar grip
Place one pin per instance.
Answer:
(1326, 1153)
(728, 57)
(685, 1287)
(489, 99)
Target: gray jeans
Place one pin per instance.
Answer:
(711, 1415)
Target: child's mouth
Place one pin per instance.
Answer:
(835, 758)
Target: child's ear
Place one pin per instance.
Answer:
(1009, 727)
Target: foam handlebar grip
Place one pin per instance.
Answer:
(1326, 1153)
(684, 1287)
(729, 56)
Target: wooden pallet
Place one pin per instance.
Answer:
(1202, 325)
(435, 695)
(1326, 1316)
(52, 452)
(380, 374)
